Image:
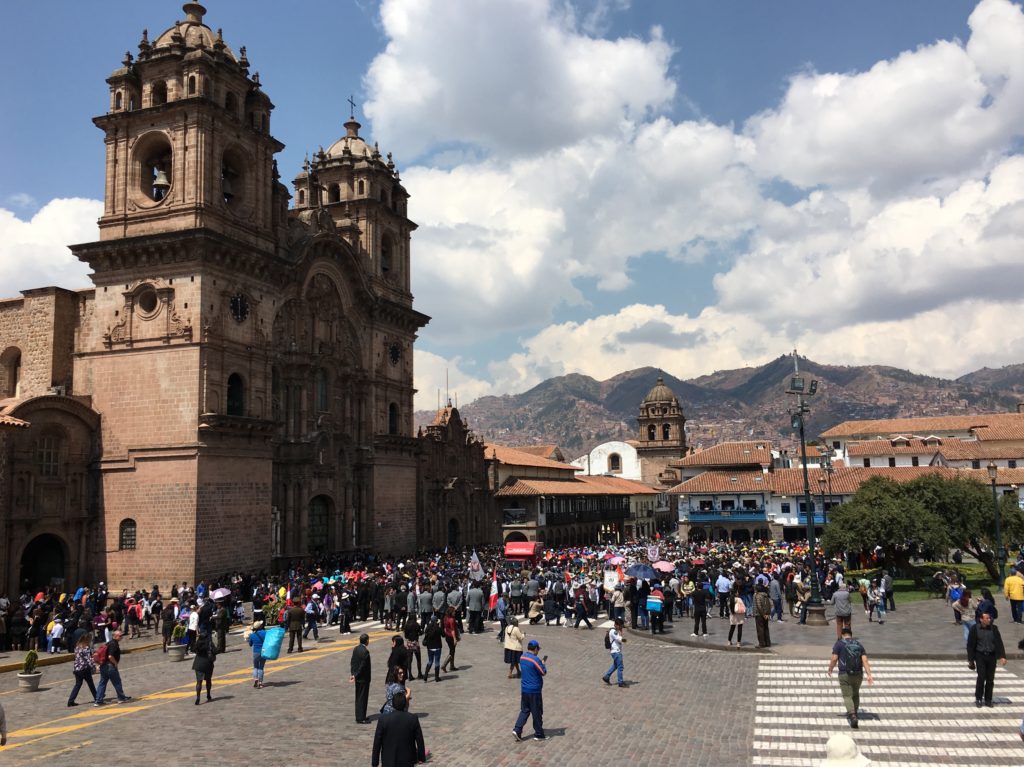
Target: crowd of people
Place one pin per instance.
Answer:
(432, 600)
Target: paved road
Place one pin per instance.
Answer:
(681, 706)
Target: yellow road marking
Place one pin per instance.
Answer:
(58, 752)
(104, 714)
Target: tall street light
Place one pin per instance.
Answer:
(799, 388)
(821, 486)
(993, 471)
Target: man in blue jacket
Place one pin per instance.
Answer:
(531, 692)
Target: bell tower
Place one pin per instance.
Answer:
(662, 437)
(188, 139)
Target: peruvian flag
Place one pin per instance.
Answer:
(494, 590)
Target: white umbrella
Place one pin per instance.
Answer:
(221, 594)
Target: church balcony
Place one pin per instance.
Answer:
(235, 425)
(519, 518)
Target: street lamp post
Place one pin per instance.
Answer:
(993, 471)
(799, 389)
(821, 487)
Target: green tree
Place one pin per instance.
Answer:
(882, 513)
(965, 506)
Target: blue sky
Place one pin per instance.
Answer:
(607, 184)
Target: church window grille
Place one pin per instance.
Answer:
(48, 456)
(236, 395)
(615, 462)
(317, 535)
(127, 535)
(393, 418)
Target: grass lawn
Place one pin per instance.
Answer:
(975, 575)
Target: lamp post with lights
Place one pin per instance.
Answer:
(799, 388)
(993, 472)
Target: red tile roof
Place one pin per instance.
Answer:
(569, 487)
(882, 447)
(12, 423)
(966, 450)
(618, 484)
(754, 453)
(514, 456)
(726, 482)
(992, 425)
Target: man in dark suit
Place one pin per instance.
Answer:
(361, 677)
(398, 741)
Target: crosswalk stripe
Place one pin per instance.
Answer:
(906, 716)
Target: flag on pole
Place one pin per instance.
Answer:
(494, 589)
(475, 571)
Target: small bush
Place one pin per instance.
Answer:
(31, 659)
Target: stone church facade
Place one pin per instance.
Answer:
(237, 385)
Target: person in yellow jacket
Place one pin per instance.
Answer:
(1013, 589)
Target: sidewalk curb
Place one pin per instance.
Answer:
(770, 652)
(67, 657)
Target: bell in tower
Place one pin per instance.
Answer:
(188, 139)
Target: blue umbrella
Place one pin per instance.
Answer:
(641, 572)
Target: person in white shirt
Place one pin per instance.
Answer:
(615, 640)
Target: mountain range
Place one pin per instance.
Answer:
(577, 412)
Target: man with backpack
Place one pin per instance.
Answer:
(613, 643)
(108, 657)
(852, 659)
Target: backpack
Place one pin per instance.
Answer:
(100, 656)
(608, 639)
(558, 588)
(854, 652)
(955, 594)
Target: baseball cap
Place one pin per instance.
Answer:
(533, 644)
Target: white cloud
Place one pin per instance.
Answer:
(35, 253)
(944, 110)
(438, 379)
(517, 77)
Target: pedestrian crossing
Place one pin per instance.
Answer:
(917, 714)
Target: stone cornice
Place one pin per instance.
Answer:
(195, 246)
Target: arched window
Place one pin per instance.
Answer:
(10, 364)
(385, 254)
(333, 193)
(361, 187)
(666, 431)
(302, 197)
(118, 101)
(126, 535)
(236, 395)
(652, 433)
(159, 93)
(191, 85)
(323, 394)
(615, 463)
(393, 418)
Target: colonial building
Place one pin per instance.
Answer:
(237, 385)
(454, 506)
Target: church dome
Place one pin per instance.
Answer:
(352, 142)
(192, 33)
(660, 393)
